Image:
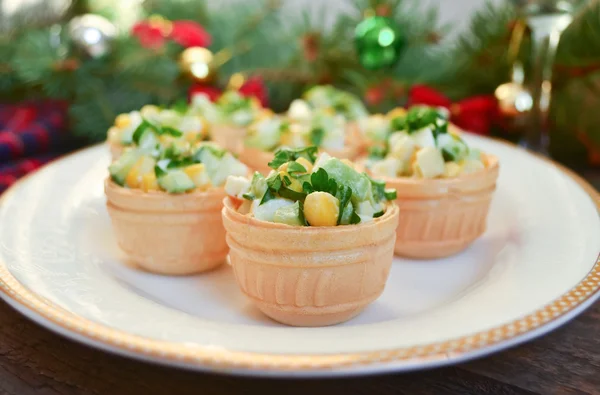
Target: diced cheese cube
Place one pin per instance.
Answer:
(429, 162)
(300, 111)
(228, 165)
(452, 169)
(237, 186)
(365, 208)
(388, 167)
(401, 146)
(423, 138)
(471, 166)
(266, 211)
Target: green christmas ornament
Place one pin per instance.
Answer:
(379, 42)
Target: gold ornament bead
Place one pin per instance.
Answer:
(513, 99)
(236, 81)
(197, 62)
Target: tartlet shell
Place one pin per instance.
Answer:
(168, 234)
(310, 276)
(441, 217)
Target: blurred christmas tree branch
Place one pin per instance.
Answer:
(291, 53)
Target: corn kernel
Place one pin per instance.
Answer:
(193, 136)
(193, 170)
(452, 169)
(122, 121)
(295, 185)
(396, 112)
(149, 110)
(321, 209)
(306, 164)
(149, 182)
(113, 135)
(134, 178)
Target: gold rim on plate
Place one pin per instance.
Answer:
(217, 358)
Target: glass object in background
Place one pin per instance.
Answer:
(547, 20)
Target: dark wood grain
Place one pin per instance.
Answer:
(36, 361)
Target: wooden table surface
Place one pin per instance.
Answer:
(35, 361)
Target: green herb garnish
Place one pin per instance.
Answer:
(378, 214)
(354, 219)
(288, 155)
(316, 136)
(345, 193)
(390, 194)
(287, 193)
(295, 167)
(180, 106)
(160, 169)
(266, 197)
(171, 131)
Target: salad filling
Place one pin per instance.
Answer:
(165, 125)
(418, 143)
(326, 97)
(304, 189)
(175, 169)
(324, 130)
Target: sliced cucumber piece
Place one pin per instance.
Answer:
(347, 214)
(118, 170)
(346, 175)
(289, 215)
(148, 141)
(127, 136)
(258, 185)
(176, 181)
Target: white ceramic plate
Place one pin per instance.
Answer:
(535, 268)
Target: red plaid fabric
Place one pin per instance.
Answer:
(31, 134)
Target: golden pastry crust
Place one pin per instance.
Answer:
(310, 276)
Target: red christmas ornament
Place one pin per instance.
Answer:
(255, 87)
(374, 95)
(190, 34)
(153, 33)
(212, 92)
(149, 34)
(475, 114)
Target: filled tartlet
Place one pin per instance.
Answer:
(229, 116)
(444, 186)
(336, 101)
(312, 243)
(166, 125)
(165, 206)
(320, 97)
(324, 130)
